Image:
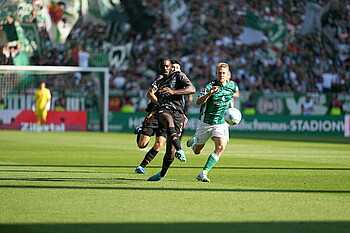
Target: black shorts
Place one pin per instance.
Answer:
(153, 128)
(177, 116)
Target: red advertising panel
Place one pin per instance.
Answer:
(25, 120)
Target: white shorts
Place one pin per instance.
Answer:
(205, 131)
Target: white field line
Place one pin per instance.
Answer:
(267, 154)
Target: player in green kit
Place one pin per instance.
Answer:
(215, 98)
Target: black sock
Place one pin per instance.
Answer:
(149, 157)
(166, 164)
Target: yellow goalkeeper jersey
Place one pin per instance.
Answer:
(42, 96)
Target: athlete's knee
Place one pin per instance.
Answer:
(197, 149)
(197, 152)
(142, 141)
(158, 145)
(142, 145)
(219, 149)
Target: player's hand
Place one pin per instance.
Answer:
(214, 89)
(149, 117)
(166, 90)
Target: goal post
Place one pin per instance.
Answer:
(19, 83)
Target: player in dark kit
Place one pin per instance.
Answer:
(169, 111)
(151, 128)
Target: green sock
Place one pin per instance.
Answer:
(212, 160)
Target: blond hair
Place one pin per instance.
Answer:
(223, 65)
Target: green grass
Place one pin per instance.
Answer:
(84, 182)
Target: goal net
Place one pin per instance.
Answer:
(79, 98)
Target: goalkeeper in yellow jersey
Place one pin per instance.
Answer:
(42, 103)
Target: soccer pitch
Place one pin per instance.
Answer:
(83, 182)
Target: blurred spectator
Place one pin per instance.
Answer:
(60, 102)
(328, 80)
(10, 29)
(118, 80)
(127, 105)
(83, 61)
(249, 106)
(83, 56)
(335, 107)
(307, 106)
(91, 102)
(114, 104)
(6, 56)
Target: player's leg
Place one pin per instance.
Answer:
(174, 125)
(167, 161)
(167, 121)
(168, 158)
(38, 116)
(220, 138)
(190, 141)
(44, 115)
(145, 132)
(151, 154)
(220, 144)
(143, 140)
(179, 122)
(38, 120)
(197, 141)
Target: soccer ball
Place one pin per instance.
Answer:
(233, 116)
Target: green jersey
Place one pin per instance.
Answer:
(212, 111)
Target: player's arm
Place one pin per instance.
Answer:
(185, 82)
(151, 95)
(236, 95)
(188, 89)
(153, 88)
(48, 103)
(203, 99)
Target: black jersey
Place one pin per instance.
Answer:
(151, 105)
(175, 81)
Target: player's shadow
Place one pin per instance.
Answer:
(175, 166)
(65, 179)
(191, 227)
(104, 181)
(45, 171)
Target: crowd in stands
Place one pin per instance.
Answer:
(302, 65)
